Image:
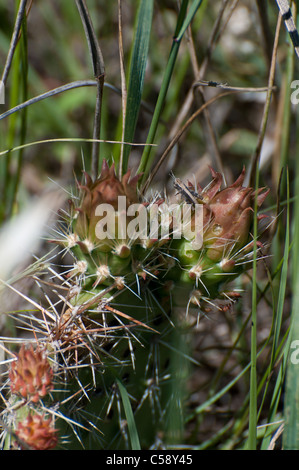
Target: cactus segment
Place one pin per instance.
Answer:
(227, 239)
(123, 319)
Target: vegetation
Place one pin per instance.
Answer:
(148, 342)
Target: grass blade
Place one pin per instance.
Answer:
(183, 22)
(17, 125)
(137, 73)
(291, 409)
(99, 73)
(135, 444)
(251, 443)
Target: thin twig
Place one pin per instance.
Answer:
(256, 155)
(123, 85)
(265, 29)
(185, 127)
(275, 437)
(216, 34)
(199, 73)
(14, 40)
(211, 46)
(99, 73)
(73, 140)
(47, 94)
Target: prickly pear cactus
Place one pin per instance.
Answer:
(226, 250)
(117, 338)
(117, 291)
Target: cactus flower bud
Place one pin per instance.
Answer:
(228, 215)
(37, 432)
(227, 224)
(31, 375)
(105, 190)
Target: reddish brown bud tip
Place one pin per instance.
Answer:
(228, 215)
(37, 432)
(104, 190)
(31, 375)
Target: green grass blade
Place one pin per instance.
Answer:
(23, 114)
(17, 123)
(251, 443)
(137, 73)
(275, 400)
(283, 282)
(291, 408)
(199, 409)
(48, 94)
(184, 19)
(99, 73)
(135, 444)
(189, 17)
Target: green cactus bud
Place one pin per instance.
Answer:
(227, 222)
